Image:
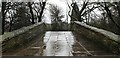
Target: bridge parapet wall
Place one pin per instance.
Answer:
(108, 39)
(20, 37)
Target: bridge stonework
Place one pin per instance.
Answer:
(18, 38)
(109, 40)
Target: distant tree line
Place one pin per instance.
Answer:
(19, 14)
(104, 15)
(108, 19)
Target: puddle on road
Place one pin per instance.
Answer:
(58, 43)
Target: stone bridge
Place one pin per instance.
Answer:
(77, 40)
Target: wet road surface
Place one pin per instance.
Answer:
(58, 43)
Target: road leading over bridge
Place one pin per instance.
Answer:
(37, 41)
(58, 43)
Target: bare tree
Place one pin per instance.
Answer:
(0, 24)
(31, 11)
(3, 15)
(39, 7)
(106, 6)
(55, 13)
(108, 17)
(41, 13)
(78, 13)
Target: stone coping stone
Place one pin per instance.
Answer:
(109, 34)
(14, 33)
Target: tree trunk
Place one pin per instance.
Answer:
(10, 28)
(110, 15)
(83, 8)
(10, 25)
(29, 5)
(43, 7)
(118, 8)
(3, 16)
(0, 24)
(76, 13)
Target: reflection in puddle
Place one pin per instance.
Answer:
(58, 43)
